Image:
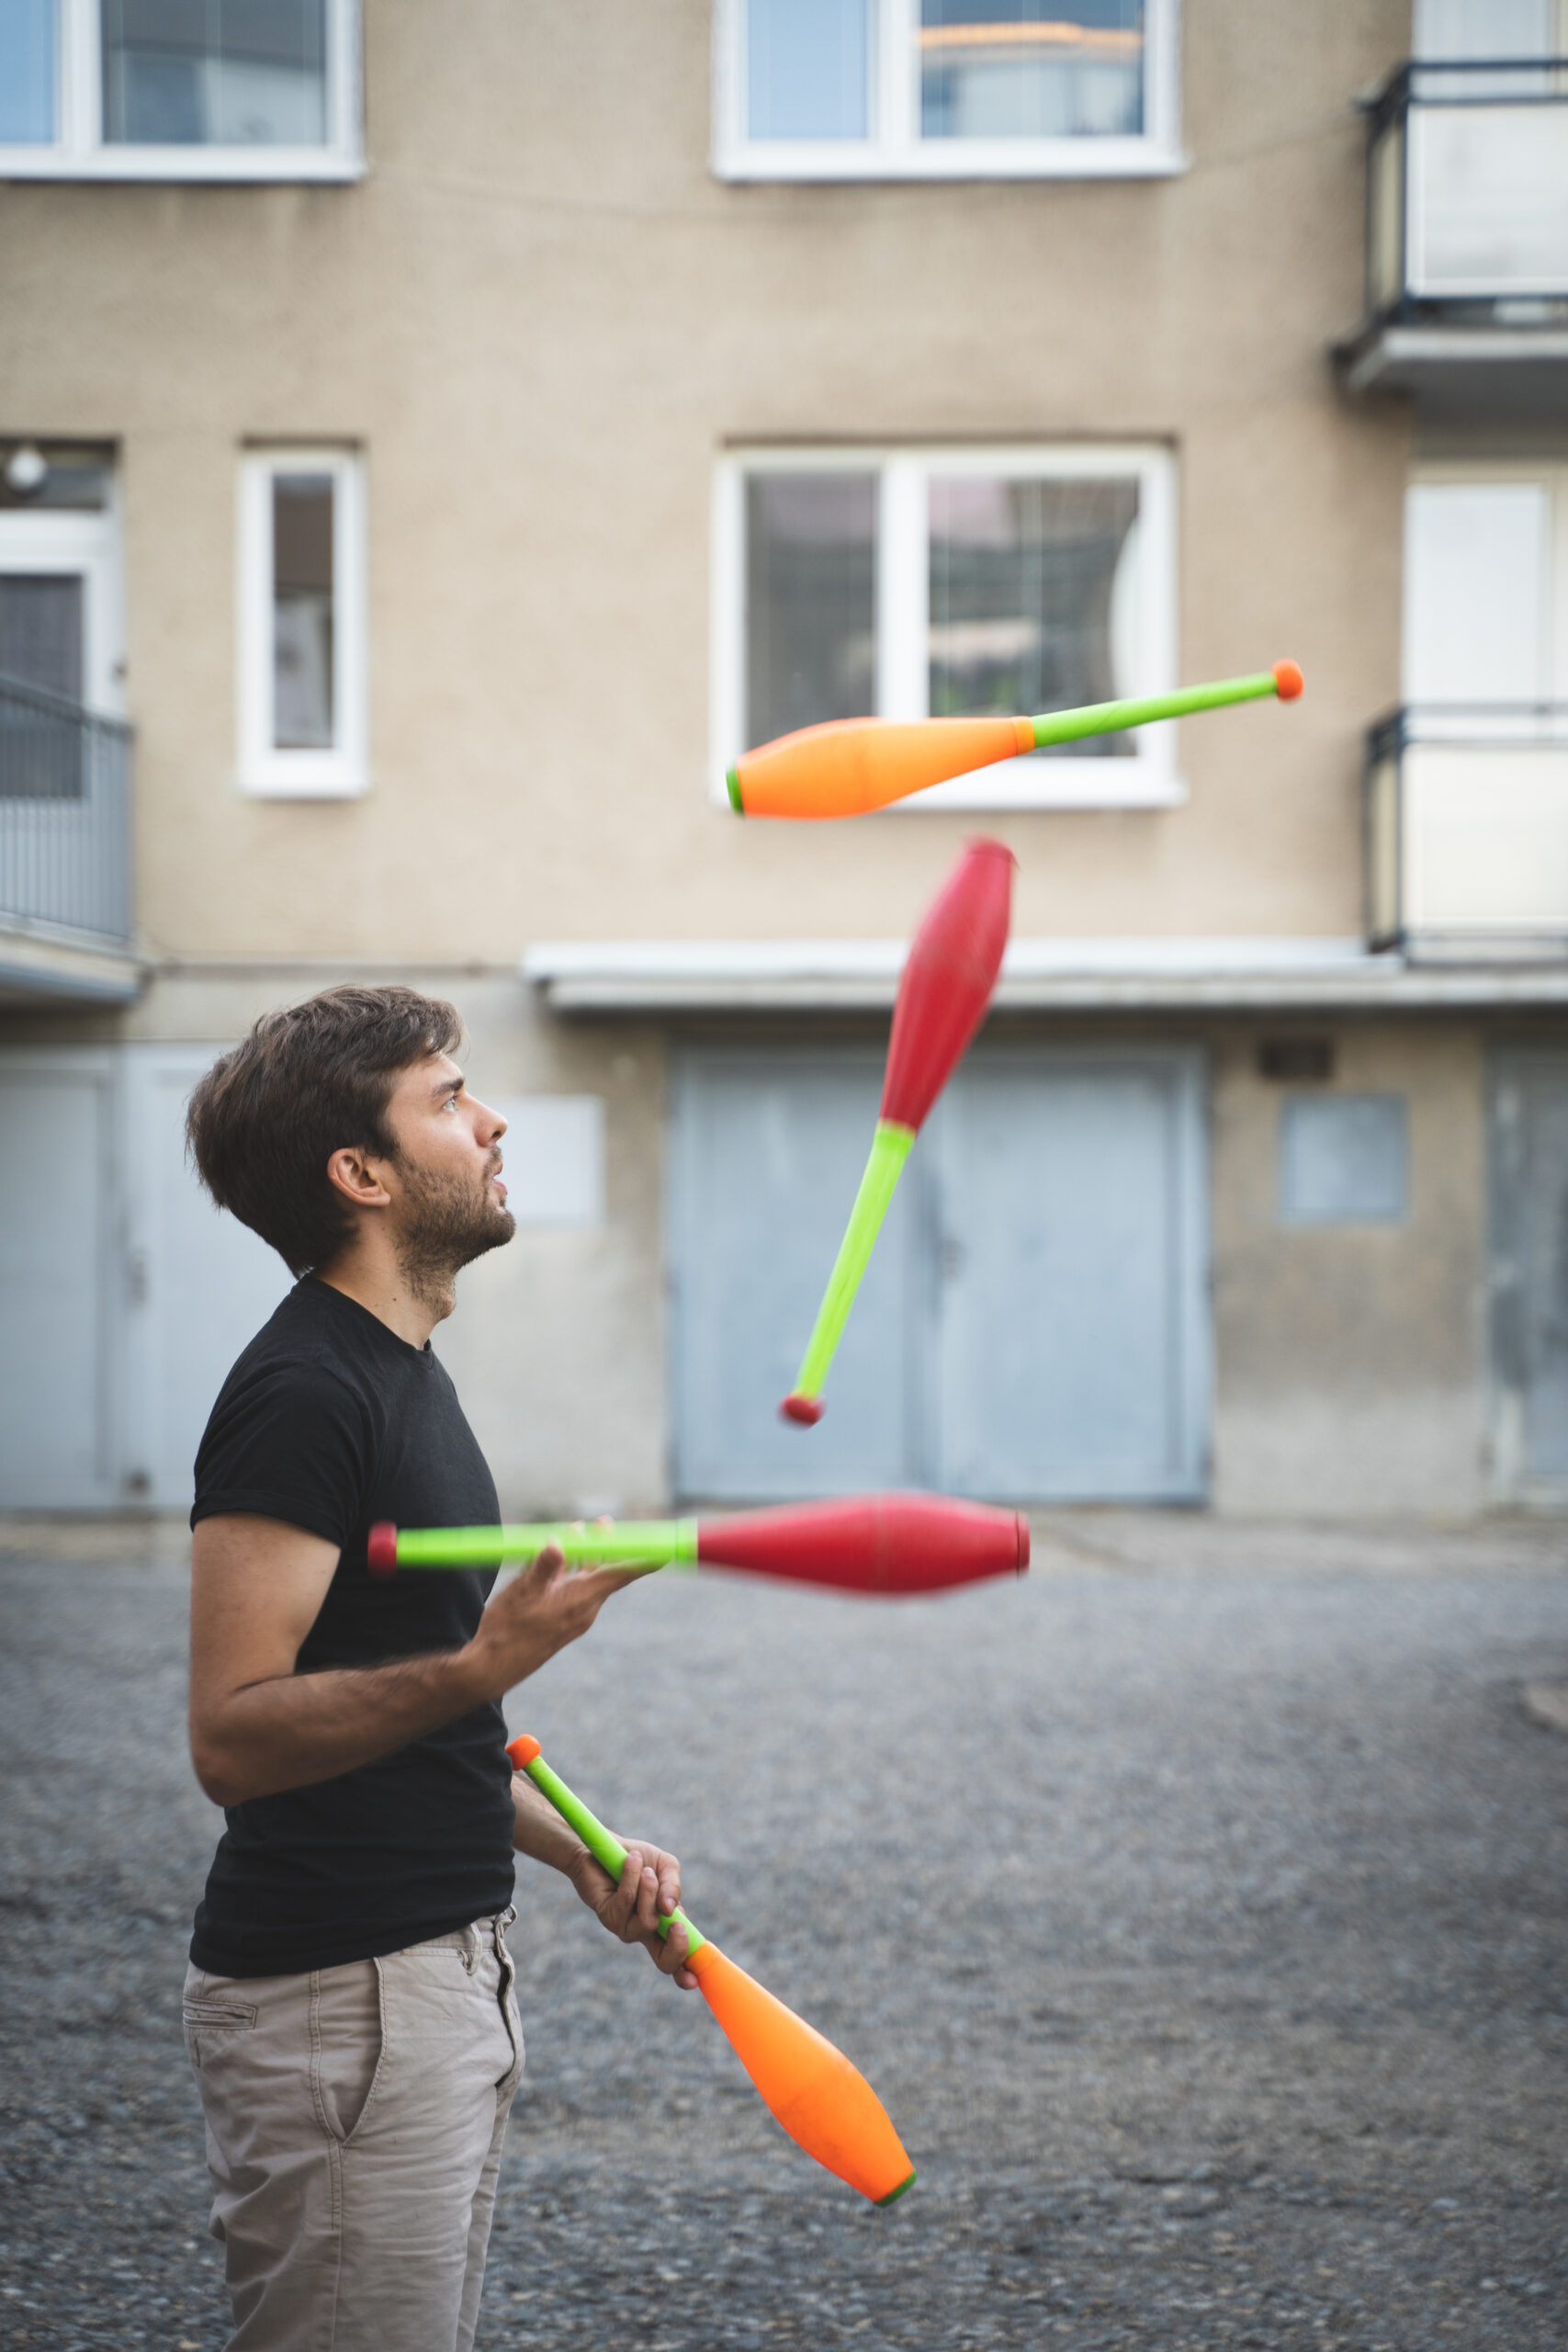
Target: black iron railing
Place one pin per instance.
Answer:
(1467, 192)
(1466, 831)
(64, 814)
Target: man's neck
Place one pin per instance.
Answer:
(374, 1280)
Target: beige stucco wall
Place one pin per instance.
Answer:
(1350, 1356)
(542, 318)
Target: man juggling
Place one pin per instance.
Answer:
(349, 2009)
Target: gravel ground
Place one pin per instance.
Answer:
(1197, 1907)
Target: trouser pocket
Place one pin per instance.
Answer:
(347, 2044)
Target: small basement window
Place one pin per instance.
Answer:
(1343, 1160)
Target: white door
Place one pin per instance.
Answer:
(198, 1284)
(1477, 592)
(58, 1266)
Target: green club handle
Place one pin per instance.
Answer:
(1110, 718)
(890, 1149)
(603, 1844)
(639, 1542)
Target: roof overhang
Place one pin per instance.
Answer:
(1227, 973)
(43, 967)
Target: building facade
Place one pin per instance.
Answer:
(431, 447)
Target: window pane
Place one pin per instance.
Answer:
(1011, 69)
(215, 72)
(302, 611)
(1342, 1159)
(41, 630)
(40, 643)
(806, 69)
(75, 479)
(1489, 29)
(1031, 598)
(27, 72)
(810, 601)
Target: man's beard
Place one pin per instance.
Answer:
(445, 1228)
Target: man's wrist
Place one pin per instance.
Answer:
(470, 1681)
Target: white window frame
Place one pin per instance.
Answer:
(894, 149)
(87, 546)
(80, 152)
(263, 770)
(1147, 778)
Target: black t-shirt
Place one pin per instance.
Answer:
(332, 1422)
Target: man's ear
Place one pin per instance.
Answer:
(356, 1175)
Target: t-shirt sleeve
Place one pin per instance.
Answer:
(291, 1442)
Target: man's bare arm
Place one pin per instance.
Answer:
(257, 1727)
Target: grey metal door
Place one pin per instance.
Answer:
(1528, 1216)
(1034, 1322)
(1073, 1356)
(57, 1272)
(766, 1150)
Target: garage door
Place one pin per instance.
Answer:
(1034, 1323)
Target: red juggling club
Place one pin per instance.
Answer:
(879, 1543)
(946, 986)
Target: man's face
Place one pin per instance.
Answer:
(447, 1197)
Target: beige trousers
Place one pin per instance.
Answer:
(354, 2120)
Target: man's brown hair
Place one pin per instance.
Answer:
(308, 1081)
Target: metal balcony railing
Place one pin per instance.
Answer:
(1467, 192)
(64, 816)
(1466, 816)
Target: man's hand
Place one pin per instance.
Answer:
(537, 1613)
(649, 1890)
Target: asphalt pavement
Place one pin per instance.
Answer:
(1197, 1906)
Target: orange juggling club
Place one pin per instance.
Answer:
(825, 2104)
(849, 766)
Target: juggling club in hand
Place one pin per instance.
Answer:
(946, 984)
(887, 1544)
(825, 2104)
(849, 766)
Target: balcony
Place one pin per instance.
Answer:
(65, 913)
(1467, 237)
(1466, 814)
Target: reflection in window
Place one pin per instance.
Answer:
(27, 72)
(214, 73)
(805, 68)
(41, 630)
(55, 477)
(810, 600)
(41, 645)
(1029, 594)
(1020, 69)
(302, 611)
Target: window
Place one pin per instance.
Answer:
(958, 89)
(59, 615)
(301, 602)
(1343, 1160)
(179, 89)
(943, 582)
